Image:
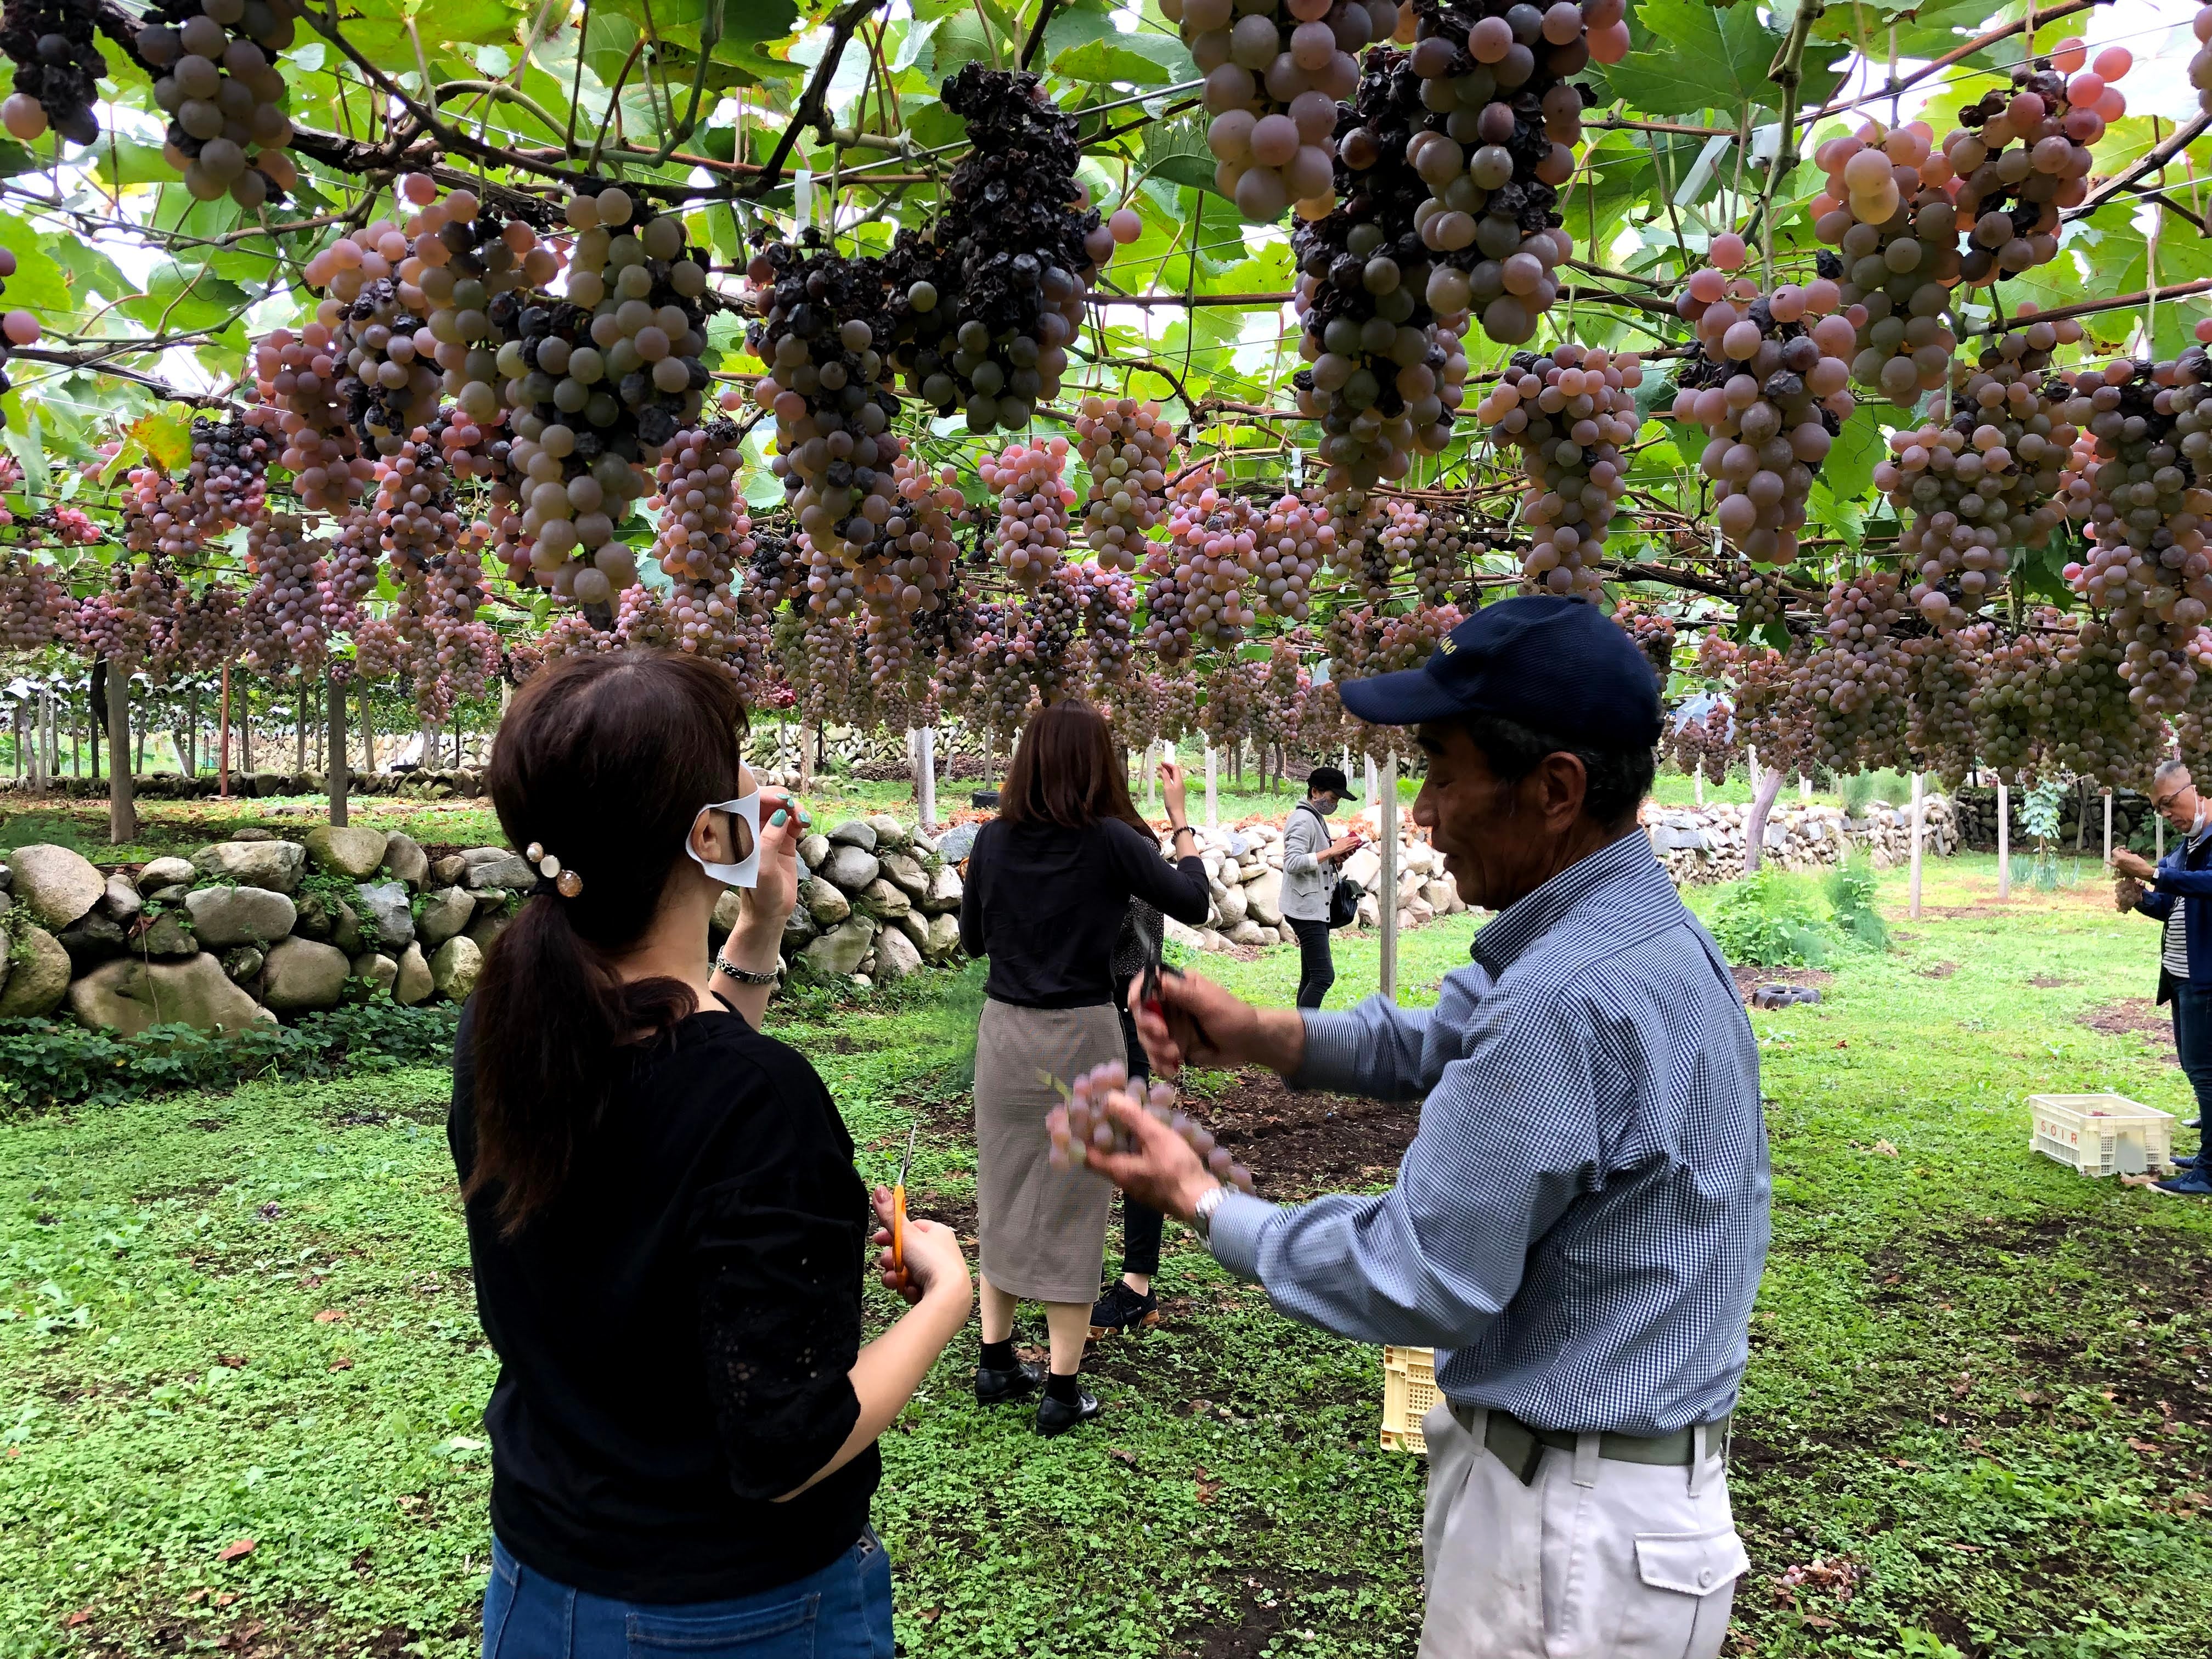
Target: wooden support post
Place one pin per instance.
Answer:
(338, 758)
(369, 731)
(1386, 901)
(1919, 822)
(1212, 794)
(1804, 787)
(1755, 824)
(122, 812)
(2004, 840)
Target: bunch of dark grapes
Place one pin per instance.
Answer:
(1232, 708)
(224, 94)
(1355, 547)
(822, 318)
(2008, 199)
(1109, 610)
(1773, 391)
(1504, 117)
(1194, 593)
(1384, 364)
(1982, 485)
(1856, 681)
(1569, 413)
(2131, 487)
(1889, 210)
(204, 628)
(1774, 708)
(1273, 73)
(1127, 448)
(1282, 709)
(990, 295)
(706, 539)
(57, 71)
(2051, 700)
(36, 608)
(349, 570)
(1081, 1127)
(227, 480)
(1653, 633)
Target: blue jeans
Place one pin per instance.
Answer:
(842, 1612)
(2192, 1038)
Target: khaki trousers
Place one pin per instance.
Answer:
(1593, 1559)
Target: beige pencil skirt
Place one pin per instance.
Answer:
(1040, 1232)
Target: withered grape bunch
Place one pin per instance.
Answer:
(57, 70)
(1081, 1127)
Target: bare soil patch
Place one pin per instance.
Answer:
(1749, 976)
(1941, 970)
(2132, 1017)
(1298, 1144)
(2047, 981)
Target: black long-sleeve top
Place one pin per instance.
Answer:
(675, 1333)
(1045, 904)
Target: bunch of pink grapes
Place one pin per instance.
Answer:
(1081, 1127)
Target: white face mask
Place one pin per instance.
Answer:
(746, 871)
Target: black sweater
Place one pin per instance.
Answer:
(675, 1331)
(1044, 903)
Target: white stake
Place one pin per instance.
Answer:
(2108, 826)
(1918, 817)
(2004, 840)
(1387, 899)
(925, 777)
(1212, 796)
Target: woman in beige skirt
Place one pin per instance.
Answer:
(1047, 883)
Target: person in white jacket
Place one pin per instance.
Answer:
(1311, 858)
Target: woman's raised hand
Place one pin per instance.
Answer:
(1173, 790)
(783, 826)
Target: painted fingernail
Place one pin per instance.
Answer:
(777, 817)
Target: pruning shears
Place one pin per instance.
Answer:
(898, 1201)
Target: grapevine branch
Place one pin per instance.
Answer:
(811, 111)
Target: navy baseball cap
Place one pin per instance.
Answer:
(1558, 666)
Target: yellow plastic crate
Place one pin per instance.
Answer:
(1409, 1389)
(2101, 1134)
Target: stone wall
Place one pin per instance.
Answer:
(465, 782)
(261, 926)
(1703, 844)
(2132, 825)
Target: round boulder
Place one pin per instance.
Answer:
(129, 996)
(454, 967)
(157, 874)
(850, 868)
(56, 884)
(354, 852)
(36, 982)
(302, 974)
(224, 916)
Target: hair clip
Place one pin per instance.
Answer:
(567, 882)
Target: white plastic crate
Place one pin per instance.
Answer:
(2101, 1134)
(1409, 1389)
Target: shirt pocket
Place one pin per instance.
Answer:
(785, 1631)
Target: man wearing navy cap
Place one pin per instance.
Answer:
(1579, 1226)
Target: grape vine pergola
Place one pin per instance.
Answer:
(920, 360)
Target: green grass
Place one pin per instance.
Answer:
(1977, 1397)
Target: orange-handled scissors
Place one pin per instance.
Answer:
(898, 1201)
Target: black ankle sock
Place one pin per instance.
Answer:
(998, 1356)
(1062, 1388)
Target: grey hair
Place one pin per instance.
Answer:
(1614, 779)
(2166, 768)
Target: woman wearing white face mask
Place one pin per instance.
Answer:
(667, 1233)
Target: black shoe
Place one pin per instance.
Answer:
(996, 1387)
(1057, 1417)
(2192, 1123)
(1123, 1309)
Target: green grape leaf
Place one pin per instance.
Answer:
(1103, 62)
(1699, 59)
(1176, 151)
(1849, 470)
(166, 435)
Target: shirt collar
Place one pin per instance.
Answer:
(1529, 918)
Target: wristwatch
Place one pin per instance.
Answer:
(1201, 1215)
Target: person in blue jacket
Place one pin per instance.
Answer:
(2180, 899)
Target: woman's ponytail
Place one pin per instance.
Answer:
(604, 763)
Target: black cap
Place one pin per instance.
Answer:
(1327, 780)
(1558, 666)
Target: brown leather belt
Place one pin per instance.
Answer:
(1520, 1446)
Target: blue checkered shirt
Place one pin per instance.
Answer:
(1579, 1225)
